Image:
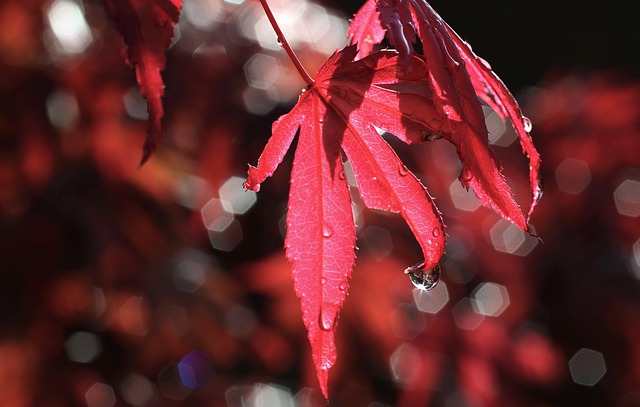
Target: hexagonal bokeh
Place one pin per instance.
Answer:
(404, 363)
(215, 217)
(463, 199)
(508, 238)
(431, 301)
(499, 133)
(491, 299)
(137, 390)
(262, 71)
(465, 316)
(228, 239)
(70, 30)
(573, 176)
(627, 198)
(189, 275)
(234, 197)
(83, 347)
(100, 395)
(202, 13)
(270, 395)
(587, 367)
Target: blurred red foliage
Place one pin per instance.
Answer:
(111, 294)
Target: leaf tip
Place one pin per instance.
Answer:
(323, 378)
(147, 150)
(250, 184)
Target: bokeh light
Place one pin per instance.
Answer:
(100, 395)
(431, 301)
(491, 299)
(71, 31)
(83, 347)
(573, 176)
(627, 198)
(234, 198)
(587, 367)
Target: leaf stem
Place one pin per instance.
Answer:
(283, 42)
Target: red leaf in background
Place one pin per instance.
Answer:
(365, 29)
(456, 75)
(147, 29)
(337, 114)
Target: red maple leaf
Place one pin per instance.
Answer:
(456, 75)
(339, 113)
(147, 29)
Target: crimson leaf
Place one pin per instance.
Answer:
(337, 114)
(456, 75)
(147, 29)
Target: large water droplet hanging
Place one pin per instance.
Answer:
(403, 170)
(326, 320)
(327, 231)
(527, 124)
(421, 278)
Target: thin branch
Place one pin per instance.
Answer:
(283, 42)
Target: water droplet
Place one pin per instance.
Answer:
(321, 119)
(402, 170)
(343, 286)
(436, 232)
(421, 278)
(323, 281)
(280, 41)
(327, 231)
(342, 175)
(484, 63)
(527, 124)
(326, 320)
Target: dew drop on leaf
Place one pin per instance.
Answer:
(436, 232)
(484, 63)
(527, 124)
(402, 170)
(421, 278)
(327, 320)
(323, 281)
(327, 231)
(343, 286)
(342, 175)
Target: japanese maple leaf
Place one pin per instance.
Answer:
(456, 77)
(337, 114)
(147, 29)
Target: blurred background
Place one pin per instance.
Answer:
(167, 285)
